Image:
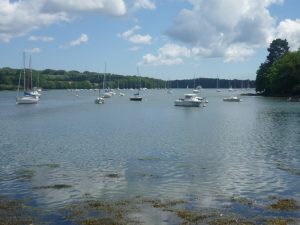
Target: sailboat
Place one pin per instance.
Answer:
(218, 90)
(99, 99)
(107, 93)
(230, 86)
(195, 90)
(136, 96)
(26, 98)
(32, 91)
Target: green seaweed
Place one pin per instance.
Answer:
(293, 171)
(113, 175)
(279, 221)
(242, 201)
(55, 186)
(49, 165)
(230, 221)
(189, 216)
(285, 204)
(101, 221)
(26, 174)
(149, 159)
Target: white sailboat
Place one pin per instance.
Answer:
(218, 90)
(136, 96)
(99, 99)
(32, 91)
(196, 90)
(107, 93)
(26, 98)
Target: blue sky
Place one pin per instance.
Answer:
(168, 39)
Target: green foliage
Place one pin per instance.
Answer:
(276, 50)
(61, 79)
(280, 73)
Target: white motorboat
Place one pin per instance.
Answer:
(136, 97)
(232, 99)
(189, 100)
(99, 100)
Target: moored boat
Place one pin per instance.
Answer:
(232, 99)
(189, 100)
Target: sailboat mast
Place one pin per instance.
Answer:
(24, 70)
(138, 74)
(30, 72)
(194, 82)
(104, 76)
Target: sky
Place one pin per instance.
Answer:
(166, 39)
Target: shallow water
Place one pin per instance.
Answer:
(123, 149)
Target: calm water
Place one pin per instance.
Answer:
(203, 155)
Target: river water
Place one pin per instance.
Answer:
(151, 148)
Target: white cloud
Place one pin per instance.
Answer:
(143, 4)
(134, 38)
(232, 29)
(134, 48)
(18, 18)
(40, 38)
(32, 50)
(21, 17)
(238, 52)
(109, 7)
(169, 54)
(128, 33)
(290, 30)
(82, 39)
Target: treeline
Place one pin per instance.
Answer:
(279, 75)
(211, 83)
(61, 79)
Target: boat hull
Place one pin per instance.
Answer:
(99, 101)
(187, 103)
(232, 100)
(137, 99)
(26, 100)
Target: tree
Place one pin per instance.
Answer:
(285, 75)
(276, 50)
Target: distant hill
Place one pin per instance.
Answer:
(61, 79)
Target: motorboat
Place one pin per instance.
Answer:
(99, 100)
(189, 100)
(136, 97)
(232, 99)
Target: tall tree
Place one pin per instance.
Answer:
(277, 49)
